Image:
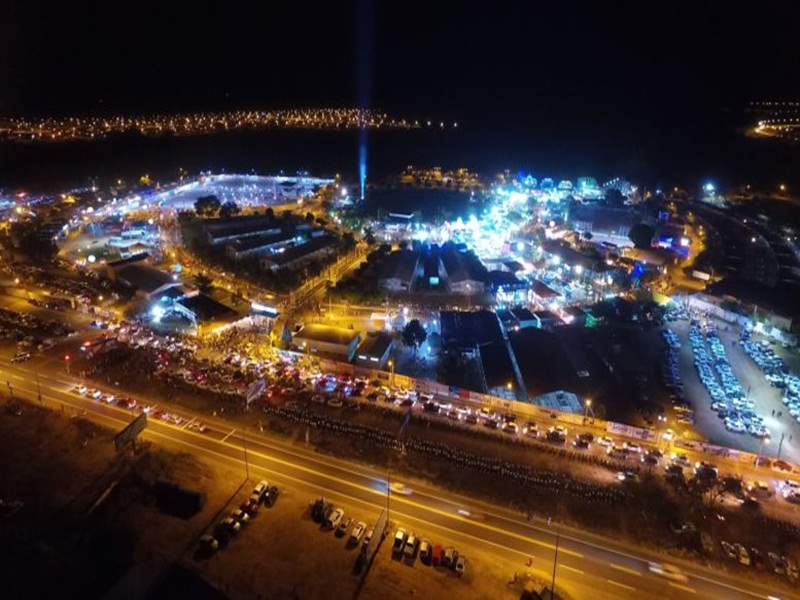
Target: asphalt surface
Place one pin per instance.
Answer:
(589, 563)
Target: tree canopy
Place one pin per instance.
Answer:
(203, 282)
(30, 238)
(207, 206)
(641, 235)
(229, 209)
(414, 334)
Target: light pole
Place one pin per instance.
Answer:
(555, 564)
(391, 372)
(587, 403)
(764, 440)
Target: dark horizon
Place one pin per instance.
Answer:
(572, 62)
(653, 94)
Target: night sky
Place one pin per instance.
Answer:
(460, 60)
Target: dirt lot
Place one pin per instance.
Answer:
(59, 541)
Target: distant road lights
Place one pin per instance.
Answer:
(709, 188)
(752, 239)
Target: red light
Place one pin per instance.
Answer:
(66, 357)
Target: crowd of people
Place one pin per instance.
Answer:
(542, 481)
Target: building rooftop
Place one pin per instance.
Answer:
(257, 241)
(206, 308)
(145, 278)
(573, 258)
(544, 291)
(327, 334)
(462, 266)
(115, 264)
(522, 313)
(462, 328)
(496, 362)
(374, 345)
(547, 316)
(504, 279)
(542, 360)
(293, 253)
(400, 265)
(173, 293)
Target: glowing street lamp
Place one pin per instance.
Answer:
(587, 404)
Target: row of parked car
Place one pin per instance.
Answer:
(780, 565)
(727, 397)
(335, 519)
(263, 494)
(776, 372)
(408, 545)
(670, 368)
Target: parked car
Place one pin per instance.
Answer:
(208, 544)
(411, 546)
(743, 556)
(368, 537)
(227, 528)
(461, 564)
(357, 532)
(260, 489)
(271, 497)
(399, 541)
(729, 550)
(776, 563)
(241, 516)
(450, 557)
(335, 517)
(344, 525)
(250, 507)
(425, 550)
(436, 555)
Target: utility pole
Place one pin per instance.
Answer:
(39, 387)
(780, 445)
(555, 564)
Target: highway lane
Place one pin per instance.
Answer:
(582, 557)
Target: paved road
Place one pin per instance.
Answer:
(588, 563)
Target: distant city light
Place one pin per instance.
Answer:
(709, 187)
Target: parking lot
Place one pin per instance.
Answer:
(763, 399)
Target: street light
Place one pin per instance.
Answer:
(391, 372)
(588, 403)
(764, 440)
